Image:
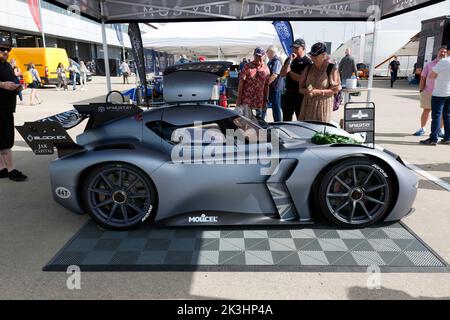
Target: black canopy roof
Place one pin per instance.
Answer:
(121, 11)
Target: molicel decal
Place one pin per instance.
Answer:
(203, 219)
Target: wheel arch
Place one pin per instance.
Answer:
(315, 186)
(85, 173)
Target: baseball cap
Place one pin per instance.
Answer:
(317, 49)
(259, 52)
(299, 43)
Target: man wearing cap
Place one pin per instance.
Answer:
(440, 101)
(8, 93)
(253, 89)
(293, 67)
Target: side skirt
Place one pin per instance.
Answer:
(220, 218)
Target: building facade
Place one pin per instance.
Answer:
(81, 37)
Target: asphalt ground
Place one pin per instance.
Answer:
(33, 227)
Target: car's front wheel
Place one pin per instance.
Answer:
(119, 196)
(355, 193)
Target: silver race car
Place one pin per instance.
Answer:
(193, 163)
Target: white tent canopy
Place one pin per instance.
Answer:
(212, 39)
(117, 11)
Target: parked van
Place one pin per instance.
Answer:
(46, 61)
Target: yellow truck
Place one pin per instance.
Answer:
(46, 61)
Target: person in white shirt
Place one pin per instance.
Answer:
(125, 69)
(74, 72)
(440, 101)
(83, 75)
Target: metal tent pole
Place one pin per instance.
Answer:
(42, 24)
(372, 59)
(105, 50)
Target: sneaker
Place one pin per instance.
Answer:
(419, 132)
(443, 141)
(3, 173)
(16, 175)
(428, 142)
(441, 133)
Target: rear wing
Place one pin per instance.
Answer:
(44, 135)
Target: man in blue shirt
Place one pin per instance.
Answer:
(276, 83)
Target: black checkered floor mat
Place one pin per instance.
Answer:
(393, 248)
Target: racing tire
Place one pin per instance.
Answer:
(119, 196)
(356, 192)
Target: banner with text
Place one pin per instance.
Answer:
(285, 34)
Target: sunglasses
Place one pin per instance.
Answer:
(4, 49)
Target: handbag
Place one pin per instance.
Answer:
(337, 101)
(338, 97)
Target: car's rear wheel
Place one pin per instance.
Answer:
(119, 196)
(356, 193)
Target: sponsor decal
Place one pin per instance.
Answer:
(380, 170)
(360, 115)
(63, 193)
(359, 125)
(203, 219)
(30, 138)
(147, 214)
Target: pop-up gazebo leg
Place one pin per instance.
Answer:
(372, 60)
(105, 51)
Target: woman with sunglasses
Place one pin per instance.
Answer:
(319, 84)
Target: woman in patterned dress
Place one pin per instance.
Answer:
(318, 86)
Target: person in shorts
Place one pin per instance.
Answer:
(8, 100)
(36, 84)
(426, 88)
(253, 89)
(440, 101)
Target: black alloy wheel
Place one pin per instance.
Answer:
(356, 193)
(119, 196)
